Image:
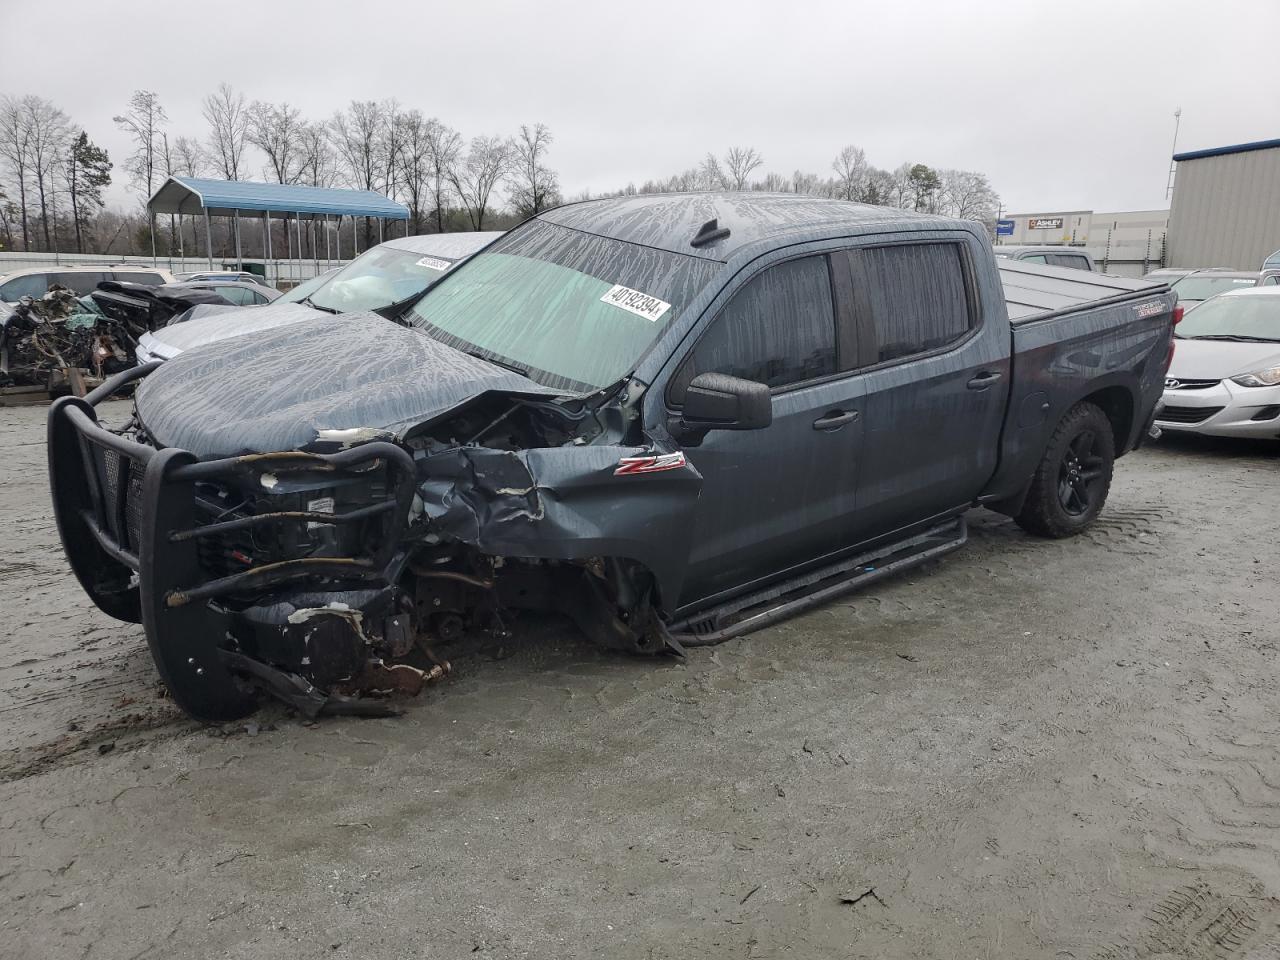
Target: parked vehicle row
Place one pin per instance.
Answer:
(673, 418)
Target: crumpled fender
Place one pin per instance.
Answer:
(566, 503)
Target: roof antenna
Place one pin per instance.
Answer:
(709, 232)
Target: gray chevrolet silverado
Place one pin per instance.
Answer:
(672, 418)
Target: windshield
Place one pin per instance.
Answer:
(1202, 287)
(574, 310)
(307, 287)
(1253, 317)
(377, 278)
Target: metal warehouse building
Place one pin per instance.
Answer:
(1226, 206)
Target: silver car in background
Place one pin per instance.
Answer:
(1224, 380)
(1199, 285)
(381, 277)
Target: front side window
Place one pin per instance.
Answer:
(34, 285)
(573, 310)
(779, 330)
(915, 295)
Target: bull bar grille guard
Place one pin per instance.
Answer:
(127, 516)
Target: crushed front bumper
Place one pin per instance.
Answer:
(128, 520)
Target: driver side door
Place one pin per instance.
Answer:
(776, 497)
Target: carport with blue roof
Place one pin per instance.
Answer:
(193, 196)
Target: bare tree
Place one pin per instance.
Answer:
(805, 183)
(388, 145)
(414, 145)
(534, 187)
(318, 167)
(710, 175)
(187, 158)
(444, 144)
(851, 169)
(475, 175)
(357, 137)
(144, 122)
(15, 147)
(276, 129)
(739, 164)
(228, 119)
(50, 135)
(967, 195)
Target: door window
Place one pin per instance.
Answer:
(779, 330)
(1033, 258)
(911, 298)
(1074, 261)
(32, 285)
(80, 282)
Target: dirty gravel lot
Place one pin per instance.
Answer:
(1027, 749)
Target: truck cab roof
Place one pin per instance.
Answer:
(671, 221)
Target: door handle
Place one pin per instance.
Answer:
(835, 419)
(985, 379)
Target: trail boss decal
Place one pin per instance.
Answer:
(655, 463)
(434, 263)
(633, 301)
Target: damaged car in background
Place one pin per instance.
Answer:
(673, 419)
(62, 342)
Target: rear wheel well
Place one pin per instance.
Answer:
(1117, 404)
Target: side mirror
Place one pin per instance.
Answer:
(717, 401)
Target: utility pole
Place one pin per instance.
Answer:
(1177, 122)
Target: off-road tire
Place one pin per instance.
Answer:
(1067, 494)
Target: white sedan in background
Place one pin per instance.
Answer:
(1225, 377)
(382, 276)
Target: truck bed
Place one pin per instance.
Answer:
(1078, 335)
(1034, 291)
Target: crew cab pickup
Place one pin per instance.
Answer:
(673, 418)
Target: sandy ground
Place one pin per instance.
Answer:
(1028, 749)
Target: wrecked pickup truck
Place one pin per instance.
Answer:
(672, 418)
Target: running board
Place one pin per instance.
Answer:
(772, 604)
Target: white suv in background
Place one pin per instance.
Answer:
(35, 282)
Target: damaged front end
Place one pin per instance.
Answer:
(325, 575)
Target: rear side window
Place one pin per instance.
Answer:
(1071, 260)
(80, 282)
(1033, 258)
(139, 277)
(912, 298)
(236, 293)
(779, 330)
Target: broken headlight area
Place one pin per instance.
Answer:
(325, 576)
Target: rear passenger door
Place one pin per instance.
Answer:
(776, 497)
(935, 378)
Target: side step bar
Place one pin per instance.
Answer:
(766, 607)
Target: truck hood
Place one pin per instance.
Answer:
(335, 379)
(210, 323)
(1220, 359)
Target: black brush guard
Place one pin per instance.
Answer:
(127, 517)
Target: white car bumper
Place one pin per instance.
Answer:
(1223, 409)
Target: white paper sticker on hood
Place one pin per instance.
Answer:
(434, 263)
(633, 301)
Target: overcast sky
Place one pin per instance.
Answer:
(1064, 106)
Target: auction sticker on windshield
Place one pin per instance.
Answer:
(633, 301)
(434, 263)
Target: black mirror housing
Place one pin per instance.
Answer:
(717, 401)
